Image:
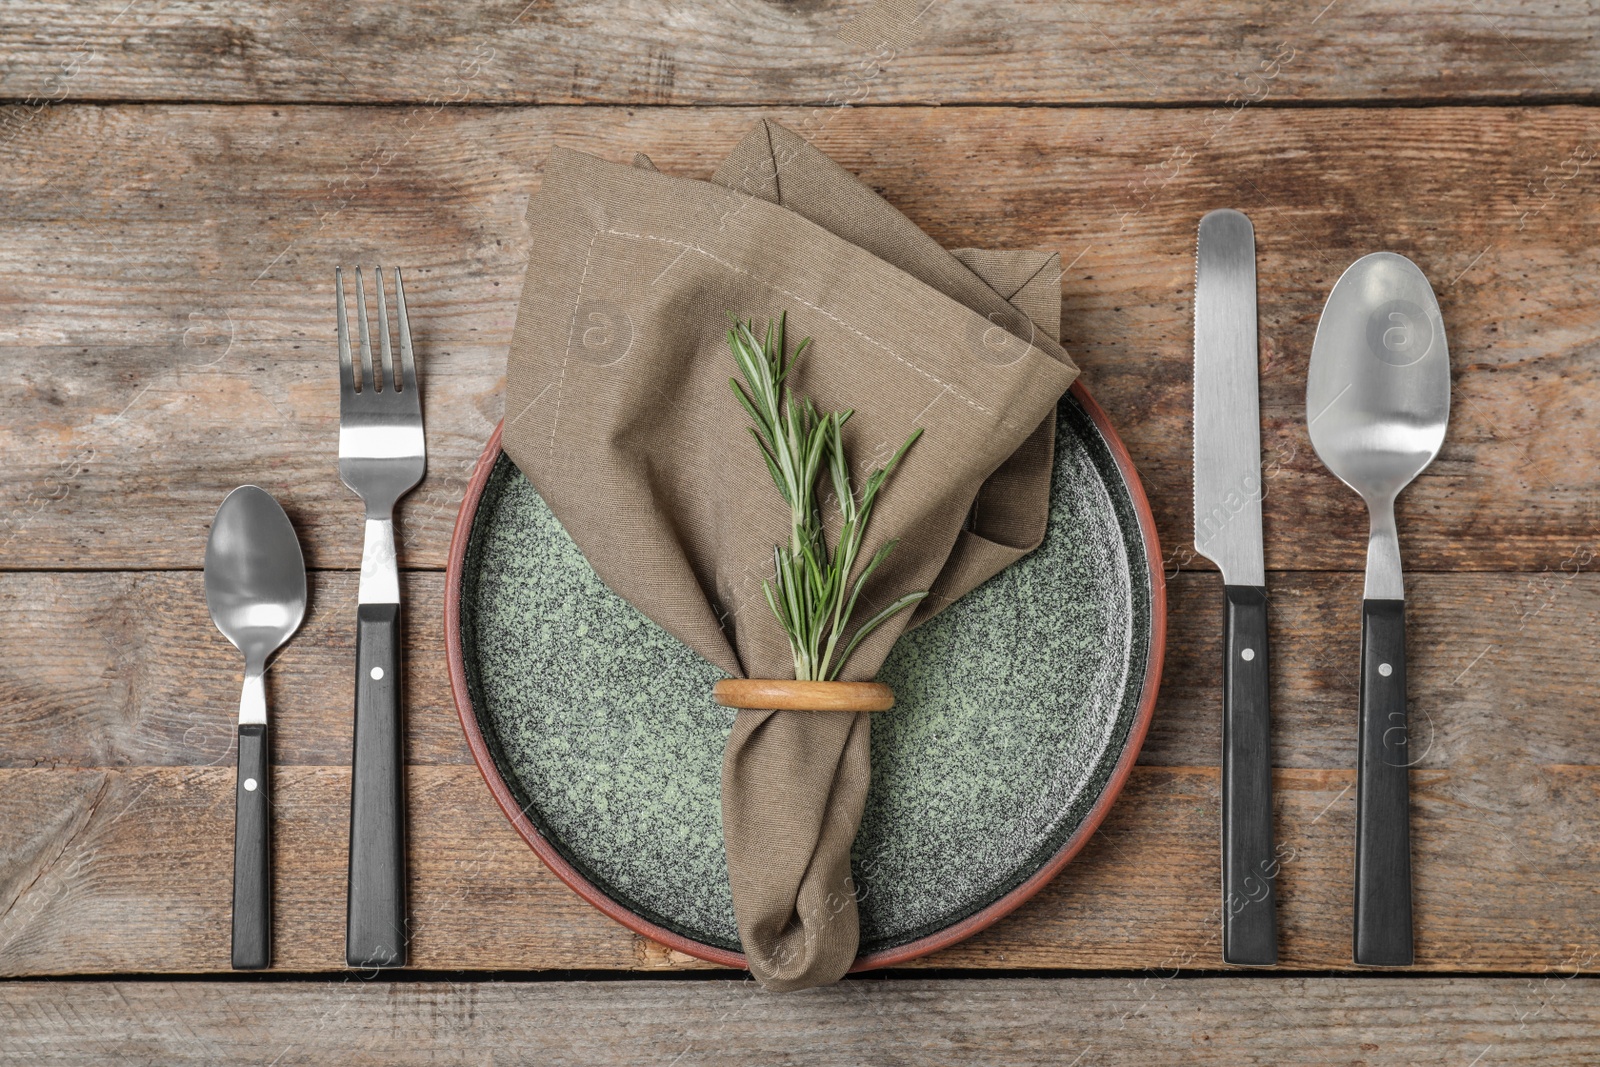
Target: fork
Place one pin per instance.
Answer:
(381, 457)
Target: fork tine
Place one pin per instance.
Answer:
(367, 380)
(387, 380)
(347, 374)
(408, 368)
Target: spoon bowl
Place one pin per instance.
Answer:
(1377, 402)
(1378, 393)
(255, 574)
(256, 590)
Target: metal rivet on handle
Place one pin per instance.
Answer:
(249, 785)
(1385, 670)
(377, 674)
(1247, 654)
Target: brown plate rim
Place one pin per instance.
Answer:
(922, 946)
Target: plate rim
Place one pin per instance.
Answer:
(922, 946)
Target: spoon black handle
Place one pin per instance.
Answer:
(1383, 810)
(252, 853)
(375, 930)
(1249, 868)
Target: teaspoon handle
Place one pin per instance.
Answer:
(1383, 816)
(252, 853)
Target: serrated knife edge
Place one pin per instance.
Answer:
(1227, 423)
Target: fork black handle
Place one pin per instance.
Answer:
(252, 853)
(375, 929)
(1249, 867)
(1383, 791)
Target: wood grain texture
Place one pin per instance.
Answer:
(826, 54)
(97, 721)
(166, 276)
(1310, 1022)
(127, 870)
(167, 334)
(1501, 670)
(802, 696)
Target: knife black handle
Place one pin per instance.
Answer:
(375, 928)
(1249, 867)
(1383, 793)
(252, 853)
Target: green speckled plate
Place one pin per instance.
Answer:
(596, 732)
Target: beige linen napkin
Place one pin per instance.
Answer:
(620, 413)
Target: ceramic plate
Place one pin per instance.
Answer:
(1020, 710)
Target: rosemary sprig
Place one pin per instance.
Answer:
(811, 592)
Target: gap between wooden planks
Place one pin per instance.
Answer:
(169, 323)
(1310, 1022)
(122, 873)
(120, 787)
(170, 270)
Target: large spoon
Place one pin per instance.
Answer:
(1377, 400)
(256, 590)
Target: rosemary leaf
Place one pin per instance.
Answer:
(876, 621)
(811, 592)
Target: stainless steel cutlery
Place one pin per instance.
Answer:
(1377, 404)
(256, 590)
(1227, 530)
(1377, 401)
(381, 458)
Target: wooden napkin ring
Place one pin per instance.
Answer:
(776, 694)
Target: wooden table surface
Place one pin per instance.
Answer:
(179, 181)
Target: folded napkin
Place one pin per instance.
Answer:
(620, 413)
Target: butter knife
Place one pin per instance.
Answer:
(1227, 531)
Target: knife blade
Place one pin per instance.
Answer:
(1227, 530)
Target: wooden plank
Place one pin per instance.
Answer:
(128, 870)
(168, 327)
(1023, 1022)
(162, 838)
(860, 51)
(120, 669)
(106, 670)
